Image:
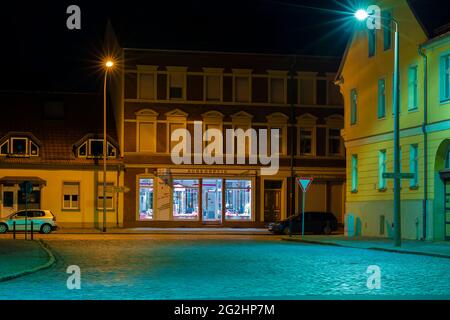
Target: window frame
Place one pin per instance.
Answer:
(354, 173)
(341, 143)
(71, 208)
(372, 41)
(444, 78)
(381, 105)
(99, 203)
(183, 74)
(313, 141)
(414, 165)
(353, 107)
(413, 88)
(382, 168)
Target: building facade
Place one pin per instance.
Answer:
(160, 91)
(366, 81)
(55, 141)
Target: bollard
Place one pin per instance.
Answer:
(14, 230)
(31, 229)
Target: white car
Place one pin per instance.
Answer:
(43, 221)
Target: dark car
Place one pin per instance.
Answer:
(315, 222)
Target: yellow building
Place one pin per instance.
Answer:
(365, 78)
(55, 142)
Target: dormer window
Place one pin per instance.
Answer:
(93, 148)
(19, 146)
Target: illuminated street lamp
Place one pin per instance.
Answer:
(109, 64)
(362, 15)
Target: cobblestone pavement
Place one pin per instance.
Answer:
(225, 267)
(25, 254)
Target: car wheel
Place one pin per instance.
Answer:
(46, 229)
(3, 228)
(327, 229)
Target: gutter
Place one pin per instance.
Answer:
(425, 141)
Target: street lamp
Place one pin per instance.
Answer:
(109, 64)
(362, 15)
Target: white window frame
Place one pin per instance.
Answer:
(100, 195)
(78, 195)
(26, 154)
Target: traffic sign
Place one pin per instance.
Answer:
(304, 183)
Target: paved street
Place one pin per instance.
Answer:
(225, 266)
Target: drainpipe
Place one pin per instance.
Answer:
(425, 141)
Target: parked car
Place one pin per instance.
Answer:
(316, 222)
(43, 221)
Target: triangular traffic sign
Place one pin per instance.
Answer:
(304, 183)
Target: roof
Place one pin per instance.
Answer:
(38, 115)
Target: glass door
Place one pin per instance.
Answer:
(212, 200)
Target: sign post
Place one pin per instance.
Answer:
(304, 183)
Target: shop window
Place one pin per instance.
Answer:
(71, 195)
(334, 142)
(109, 195)
(238, 200)
(146, 199)
(185, 199)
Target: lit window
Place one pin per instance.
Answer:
(242, 88)
(71, 195)
(277, 90)
(382, 162)
(146, 199)
(354, 173)
(414, 164)
(238, 200)
(109, 196)
(185, 199)
(334, 142)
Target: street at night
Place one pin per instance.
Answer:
(225, 267)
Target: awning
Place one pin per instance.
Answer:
(17, 180)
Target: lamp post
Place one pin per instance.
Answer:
(362, 15)
(108, 66)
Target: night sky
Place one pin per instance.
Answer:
(40, 53)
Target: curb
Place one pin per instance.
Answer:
(51, 261)
(436, 255)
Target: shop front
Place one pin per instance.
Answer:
(196, 197)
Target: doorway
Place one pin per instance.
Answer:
(272, 200)
(212, 201)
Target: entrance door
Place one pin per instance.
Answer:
(212, 200)
(9, 201)
(447, 209)
(272, 205)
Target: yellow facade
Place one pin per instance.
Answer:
(372, 207)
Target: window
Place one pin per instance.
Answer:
(281, 139)
(213, 88)
(176, 85)
(321, 92)
(306, 91)
(146, 199)
(147, 86)
(172, 127)
(185, 199)
(334, 142)
(19, 146)
(82, 150)
(414, 164)
(71, 195)
(34, 149)
(381, 98)
(8, 199)
(241, 88)
(306, 141)
(277, 90)
(4, 148)
(96, 148)
(387, 34)
(93, 148)
(238, 200)
(354, 173)
(382, 162)
(353, 106)
(147, 136)
(372, 42)
(412, 88)
(445, 78)
(109, 196)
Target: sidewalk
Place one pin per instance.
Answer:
(20, 257)
(428, 248)
(205, 231)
